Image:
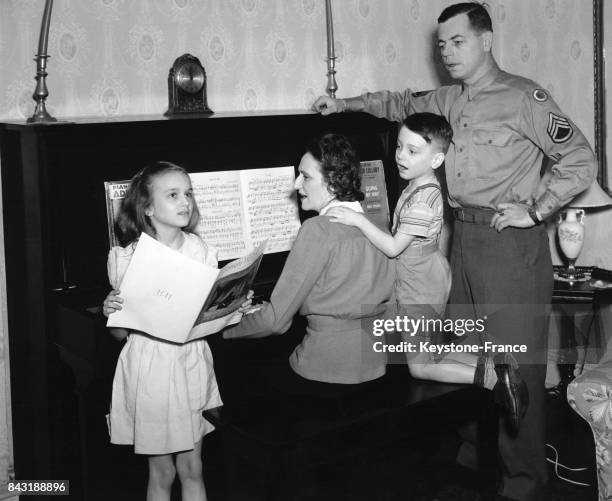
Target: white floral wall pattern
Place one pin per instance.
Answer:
(111, 57)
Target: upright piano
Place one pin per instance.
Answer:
(56, 243)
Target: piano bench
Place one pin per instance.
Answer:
(285, 440)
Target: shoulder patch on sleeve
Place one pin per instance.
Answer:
(559, 129)
(421, 93)
(540, 95)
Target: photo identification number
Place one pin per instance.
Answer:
(48, 487)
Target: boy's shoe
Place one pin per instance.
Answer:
(510, 392)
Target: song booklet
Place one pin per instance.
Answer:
(175, 298)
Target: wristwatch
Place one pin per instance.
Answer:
(533, 214)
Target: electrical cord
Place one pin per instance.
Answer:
(559, 465)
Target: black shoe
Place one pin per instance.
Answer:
(558, 391)
(510, 392)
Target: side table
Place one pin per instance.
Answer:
(571, 298)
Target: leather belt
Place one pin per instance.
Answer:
(473, 215)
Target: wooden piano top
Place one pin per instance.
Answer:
(154, 117)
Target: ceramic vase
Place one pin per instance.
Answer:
(571, 236)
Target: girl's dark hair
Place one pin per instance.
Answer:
(339, 166)
(132, 220)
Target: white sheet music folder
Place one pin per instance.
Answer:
(163, 291)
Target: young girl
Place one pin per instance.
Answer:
(423, 278)
(160, 389)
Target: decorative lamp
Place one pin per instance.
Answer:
(570, 229)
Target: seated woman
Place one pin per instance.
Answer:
(333, 276)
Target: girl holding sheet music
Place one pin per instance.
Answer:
(160, 388)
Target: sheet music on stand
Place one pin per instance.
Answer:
(238, 209)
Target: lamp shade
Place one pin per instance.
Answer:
(593, 197)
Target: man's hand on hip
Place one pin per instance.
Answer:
(514, 215)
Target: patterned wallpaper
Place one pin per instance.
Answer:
(112, 57)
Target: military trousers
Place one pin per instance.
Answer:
(507, 278)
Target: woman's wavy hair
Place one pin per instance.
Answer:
(132, 220)
(339, 165)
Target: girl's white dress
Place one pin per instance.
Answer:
(160, 389)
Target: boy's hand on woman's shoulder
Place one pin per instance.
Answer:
(344, 215)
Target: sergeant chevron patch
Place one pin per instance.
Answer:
(559, 129)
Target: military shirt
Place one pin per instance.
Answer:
(503, 125)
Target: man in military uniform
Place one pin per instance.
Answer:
(500, 257)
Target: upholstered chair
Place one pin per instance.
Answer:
(590, 395)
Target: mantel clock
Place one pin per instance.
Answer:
(187, 87)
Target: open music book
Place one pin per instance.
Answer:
(173, 297)
(239, 209)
